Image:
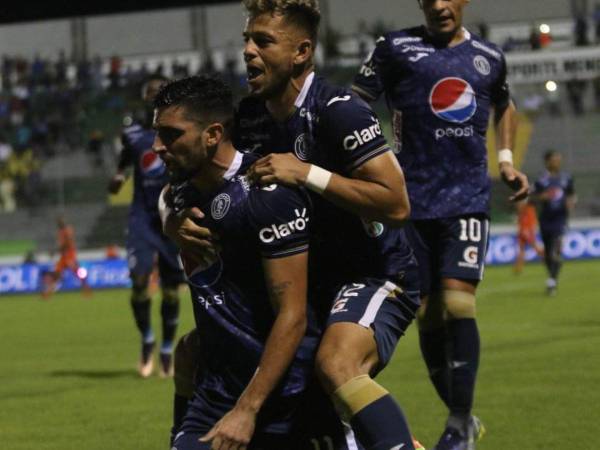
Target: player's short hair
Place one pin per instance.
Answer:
(550, 153)
(204, 97)
(304, 13)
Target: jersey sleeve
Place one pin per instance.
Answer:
(126, 154)
(351, 132)
(279, 219)
(500, 94)
(368, 82)
(570, 190)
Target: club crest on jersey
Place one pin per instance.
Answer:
(453, 100)
(151, 165)
(482, 65)
(220, 206)
(300, 147)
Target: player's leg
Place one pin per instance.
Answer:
(520, 260)
(171, 277)
(365, 324)
(551, 259)
(423, 238)
(463, 245)
(186, 363)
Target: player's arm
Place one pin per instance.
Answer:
(571, 195)
(195, 241)
(125, 160)
(286, 282)
(375, 190)
(505, 123)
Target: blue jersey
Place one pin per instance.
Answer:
(334, 129)
(553, 213)
(440, 98)
(149, 172)
(231, 304)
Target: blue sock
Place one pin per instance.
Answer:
(434, 351)
(169, 311)
(381, 425)
(141, 314)
(464, 363)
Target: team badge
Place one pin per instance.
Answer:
(151, 165)
(300, 147)
(220, 206)
(482, 65)
(372, 228)
(453, 100)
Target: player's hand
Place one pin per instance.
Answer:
(233, 432)
(196, 242)
(115, 183)
(282, 168)
(515, 180)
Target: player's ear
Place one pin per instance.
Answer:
(213, 134)
(304, 52)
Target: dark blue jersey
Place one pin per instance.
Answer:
(232, 308)
(334, 129)
(440, 98)
(553, 213)
(149, 172)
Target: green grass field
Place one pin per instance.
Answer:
(68, 380)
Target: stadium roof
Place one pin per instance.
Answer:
(26, 11)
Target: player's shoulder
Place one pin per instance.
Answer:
(133, 132)
(485, 46)
(335, 99)
(250, 111)
(396, 38)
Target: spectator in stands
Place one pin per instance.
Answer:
(7, 173)
(534, 38)
(581, 31)
(575, 90)
(596, 17)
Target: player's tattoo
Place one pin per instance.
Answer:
(277, 291)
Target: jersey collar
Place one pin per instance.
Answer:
(304, 91)
(234, 167)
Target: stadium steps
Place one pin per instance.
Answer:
(109, 227)
(39, 225)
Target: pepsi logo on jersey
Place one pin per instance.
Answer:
(453, 100)
(151, 165)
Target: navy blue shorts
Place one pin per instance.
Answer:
(451, 247)
(302, 422)
(144, 242)
(386, 306)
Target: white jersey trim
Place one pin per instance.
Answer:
(375, 304)
(235, 166)
(304, 91)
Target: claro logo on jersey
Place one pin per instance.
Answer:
(151, 164)
(453, 100)
(276, 232)
(362, 137)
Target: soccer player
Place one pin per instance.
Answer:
(145, 239)
(258, 334)
(68, 260)
(341, 156)
(527, 227)
(441, 83)
(554, 192)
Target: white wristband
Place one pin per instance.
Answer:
(505, 155)
(317, 179)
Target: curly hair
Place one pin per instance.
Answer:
(304, 13)
(203, 96)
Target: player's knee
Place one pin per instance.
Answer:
(185, 364)
(139, 288)
(170, 294)
(430, 315)
(459, 304)
(342, 356)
